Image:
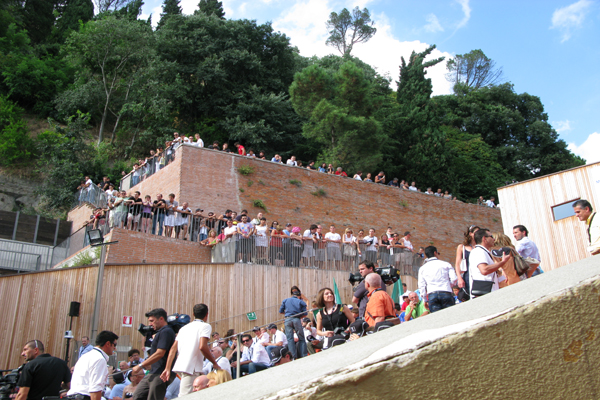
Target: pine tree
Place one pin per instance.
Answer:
(210, 7)
(38, 19)
(70, 12)
(170, 8)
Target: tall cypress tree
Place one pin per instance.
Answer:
(38, 19)
(170, 8)
(70, 12)
(210, 7)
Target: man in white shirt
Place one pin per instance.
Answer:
(436, 278)
(91, 371)
(254, 357)
(223, 362)
(490, 202)
(525, 246)
(413, 187)
(481, 265)
(333, 240)
(192, 342)
(278, 338)
(292, 161)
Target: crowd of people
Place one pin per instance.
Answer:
(162, 156)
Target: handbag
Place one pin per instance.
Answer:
(480, 288)
(349, 251)
(463, 262)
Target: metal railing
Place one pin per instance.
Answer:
(91, 194)
(149, 167)
(22, 256)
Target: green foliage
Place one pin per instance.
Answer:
(403, 203)
(242, 190)
(296, 182)
(15, 143)
(211, 7)
(245, 169)
(320, 192)
(90, 256)
(259, 204)
(346, 29)
(170, 8)
(339, 107)
(473, 70)
(38, 19)
(250, 183)
(69, 15)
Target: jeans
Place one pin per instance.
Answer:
(440, 300)
(160, 219)
(249, 368)
(295, 324)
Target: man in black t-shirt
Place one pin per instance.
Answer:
(158, 206)
(152, 387)
(360, 293)
(135, 204)
(43, 375)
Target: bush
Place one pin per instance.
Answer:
(245, 169)
(15, 143)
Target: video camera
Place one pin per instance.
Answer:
(389, 275)
(8, 383)
(176, 322)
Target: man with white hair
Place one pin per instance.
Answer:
(380, 305)
(223, 362)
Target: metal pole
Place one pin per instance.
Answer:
(56, 231)
(239, 358)
(14, 236)
(96, 315)
(68, 342)
(37, 226)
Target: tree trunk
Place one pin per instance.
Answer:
(104, 114)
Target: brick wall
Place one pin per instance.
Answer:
(140, 248)
(209, 180)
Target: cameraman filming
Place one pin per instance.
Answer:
(152, 387)
(43, 374)
(360, 293)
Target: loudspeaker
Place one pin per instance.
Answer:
(74, 309)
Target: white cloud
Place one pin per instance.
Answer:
(562, 126)
(433, 24)
(305, 22)
(189, 6)
(571, 17)
(588, 149)
(464, 4)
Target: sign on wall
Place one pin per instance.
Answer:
(127, 321)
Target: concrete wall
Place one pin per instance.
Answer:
(209, 180)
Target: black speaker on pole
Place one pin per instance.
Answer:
(74, 309)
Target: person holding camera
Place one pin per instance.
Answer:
(152, 387)
(91, 370)
(332, 320)
(43, 375)
(360, 293)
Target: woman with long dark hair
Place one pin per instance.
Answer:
(462, 257)
(332, 319)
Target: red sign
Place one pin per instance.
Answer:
(127, 321)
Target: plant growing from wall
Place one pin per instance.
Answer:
(296, 182)
(245, 170)
(403, 203)
(250, 183)
(259, 204)
(319, 193)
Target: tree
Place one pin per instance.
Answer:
(170, 8)
(70, 13)
(339, 107)
(38, 19)
(106, 5)
(345, 29)
(473, 70)
(109, 55)
(210, 7)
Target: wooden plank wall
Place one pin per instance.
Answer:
(36, 305)
(530, 204)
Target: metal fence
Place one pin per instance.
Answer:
(148, 168)
(91, 194)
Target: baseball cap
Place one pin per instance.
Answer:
(256, 328)
(305, 319)
(278, 353)
(272, 326)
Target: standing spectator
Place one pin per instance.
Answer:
(277, 256)
(413, 187)
(276, 158)
(91, 371)
(310, 240)
(256, 221)
(170, 210)
(152, 387)
(159, 206)
(43, 375)
(120, 210)
(585, 212)
(372, 244)
(245, 231)
(380, 305)
(85, 347)
(429, 191)
(251, 153)
(261, 155)
(436, 278)
(147, 214)
(192, 344)
(182, 220)
(261, 241)
(333, 240)
(216, 146)
(490, 202)
(393, 182)
(292, 161)
(350, 248)
(323, 168)
(461, 265)
(198, 230)
(368, 178)
(222, 220)
(447, 195)
(136, 174)
(439, 193)
(296, 239)
(380, 178)
(311, 165)
(482, 266)
(358, 176)
(320, 256)
(360, 297)
(525, 246)
(176, 140)
(241, 149)
(199, 142)
(294, 310)
(135, 204)
(226, 148)
(340, 172)
(330, 169)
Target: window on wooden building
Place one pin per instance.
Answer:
(563, 210)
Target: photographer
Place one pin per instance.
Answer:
(360, 293)
(91, 371)
(43, 374)
(332, 320)
(152, 387)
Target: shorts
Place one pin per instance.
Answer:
(135, 218)
(146, 215)
(320, 255)
(334, 253)
(170, 220)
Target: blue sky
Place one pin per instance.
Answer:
(545, 47)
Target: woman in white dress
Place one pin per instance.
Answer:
(261, 241)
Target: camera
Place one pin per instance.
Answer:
(176, 322)
(340, 331)
(355, 277)
(388, 274)
(146, 330)
(8, 383)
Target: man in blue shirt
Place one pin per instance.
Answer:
(85, 346)
(294, 310)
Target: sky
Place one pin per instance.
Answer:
(545, 47)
